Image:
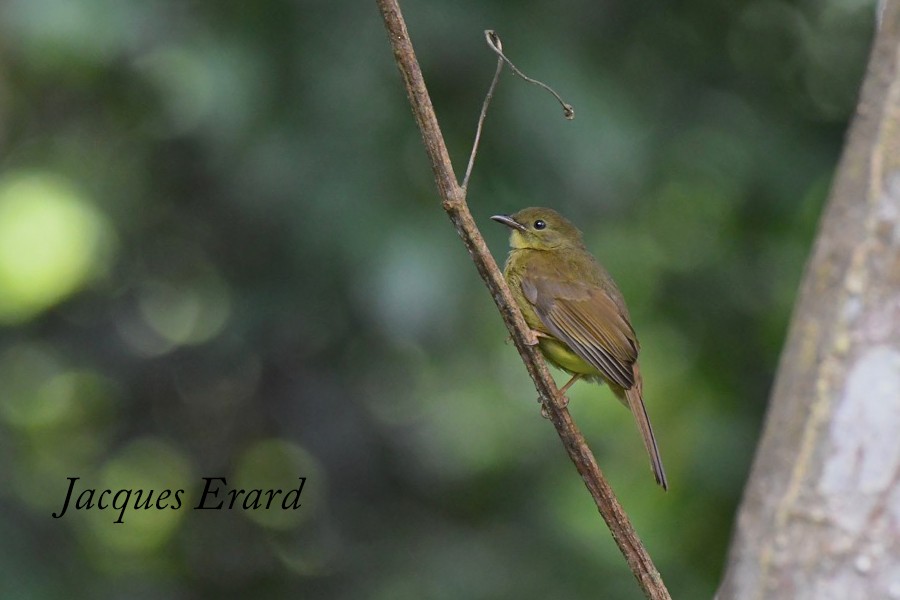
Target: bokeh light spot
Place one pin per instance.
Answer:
(186, 313)
(273, 465)
(414, 287)
(52, 240)
(22, 369)
(149, 466)
(60, 418)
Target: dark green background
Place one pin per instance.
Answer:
(222, 254)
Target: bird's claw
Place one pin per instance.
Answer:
(533, 337)
(563, 401)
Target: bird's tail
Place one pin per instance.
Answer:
(635, 398)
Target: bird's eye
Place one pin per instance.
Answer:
(539, 224)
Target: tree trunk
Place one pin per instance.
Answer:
(820, 517)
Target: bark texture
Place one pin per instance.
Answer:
(820, 517)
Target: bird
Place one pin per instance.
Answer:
(577, 314)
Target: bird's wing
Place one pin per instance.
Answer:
(588, 320)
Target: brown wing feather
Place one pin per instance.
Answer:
(588, 320)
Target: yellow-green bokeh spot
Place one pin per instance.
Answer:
(58, 402)
(277, 464)
(145, 465)
(61, 419)
(190, 312)
(25, 370)
(52, 240)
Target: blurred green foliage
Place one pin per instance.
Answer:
(222, 254)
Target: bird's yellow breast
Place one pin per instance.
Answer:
(560, 355)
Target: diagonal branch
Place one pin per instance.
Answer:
(454, 202)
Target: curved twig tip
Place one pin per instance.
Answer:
(493, 41)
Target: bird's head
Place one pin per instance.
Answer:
(540, 229)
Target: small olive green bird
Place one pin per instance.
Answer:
(577, 313)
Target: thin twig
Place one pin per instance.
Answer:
(495, 45)
(484, 108)
(454, 202)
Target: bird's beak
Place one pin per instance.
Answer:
(508, 221)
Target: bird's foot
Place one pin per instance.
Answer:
(563, 400)
(533, 337)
